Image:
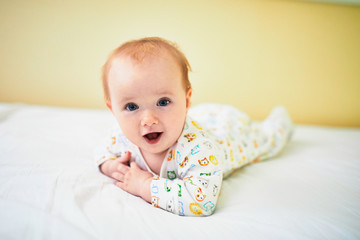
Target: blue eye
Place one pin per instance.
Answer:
(163, 102)
(131, 107)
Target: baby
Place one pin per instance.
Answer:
(164, 151)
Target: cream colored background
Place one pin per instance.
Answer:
(249, 53)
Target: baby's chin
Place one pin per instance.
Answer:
(155, 149)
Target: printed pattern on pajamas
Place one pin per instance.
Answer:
(242, 140)
(216, 140)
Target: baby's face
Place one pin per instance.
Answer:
(149, 101)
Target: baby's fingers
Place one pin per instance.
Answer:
(122, 168)
(125, 158)
(118, 176)
(123, 186)
(120, 185)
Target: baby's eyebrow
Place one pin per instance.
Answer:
(127, 99)
(164, 92)
(159, 93)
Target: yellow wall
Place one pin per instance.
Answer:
(250, 53)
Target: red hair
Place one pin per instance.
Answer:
(139, 49)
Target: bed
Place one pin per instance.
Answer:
(51, 189)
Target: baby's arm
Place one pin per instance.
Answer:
(193, 175)
(193, 183)
(194, 195)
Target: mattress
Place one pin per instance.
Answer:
(50, 187)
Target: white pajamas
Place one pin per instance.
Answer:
(216, 140)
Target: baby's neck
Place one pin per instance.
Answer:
(154, 160)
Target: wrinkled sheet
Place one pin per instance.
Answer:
(50, 188)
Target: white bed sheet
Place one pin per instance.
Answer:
(50, 189)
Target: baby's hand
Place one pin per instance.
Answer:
(130, 178)
(135, 181)
(111, 167)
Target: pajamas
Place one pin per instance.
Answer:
(216, 140)
(242, 140)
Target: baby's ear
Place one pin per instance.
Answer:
(108, 104)
(188, 98)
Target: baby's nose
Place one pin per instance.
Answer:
(149, 118)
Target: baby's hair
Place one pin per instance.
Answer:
(141, 48)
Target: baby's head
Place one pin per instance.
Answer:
(139, 50)
(147, 89)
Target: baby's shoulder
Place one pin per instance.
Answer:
(194, 133)
(196, 140)
(196, 151)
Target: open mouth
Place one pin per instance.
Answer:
(153, 137)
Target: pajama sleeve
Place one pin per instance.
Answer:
(115, 146)
(192, 181)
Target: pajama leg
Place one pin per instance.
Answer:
(242, 140)
(273, 133)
